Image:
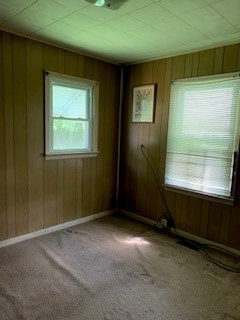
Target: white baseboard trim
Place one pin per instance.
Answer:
(137, 217)
(181, 233)
(8, 242)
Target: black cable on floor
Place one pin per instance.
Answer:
(167, 214)
(203, 249)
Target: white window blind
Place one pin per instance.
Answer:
(203, 135)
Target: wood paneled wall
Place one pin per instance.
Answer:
(138, 192)
(36, 193)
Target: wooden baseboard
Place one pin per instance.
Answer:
(181, 233)
(57, 227)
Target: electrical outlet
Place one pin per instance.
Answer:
(164, 223)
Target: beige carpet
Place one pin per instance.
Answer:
(113, 268)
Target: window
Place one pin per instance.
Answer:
(71, 116)
(203, 135)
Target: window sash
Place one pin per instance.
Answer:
(59, 136)
(78, 86)
(89, 112)
(73, 119)
(91, 119)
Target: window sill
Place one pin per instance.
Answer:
(56, 156)
(212, 198)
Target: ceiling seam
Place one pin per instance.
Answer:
(238, 29)
(27, 7)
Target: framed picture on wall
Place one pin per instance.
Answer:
(143, 103)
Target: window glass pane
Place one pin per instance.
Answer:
(70, 134)
(70, 102)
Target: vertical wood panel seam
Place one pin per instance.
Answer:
(198, 63)
(103, 135)
(26, 123)
(4, 134)
(14, 153)
(43, 101)
(43, 132)
(238, 51)
(214, 59)
(43, 185)
(224, 53)
(8, 41)
(185, 58)
(13, 100)
(238, 60)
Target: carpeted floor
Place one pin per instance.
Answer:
(113, 268)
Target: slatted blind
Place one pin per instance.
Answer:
(203, 134)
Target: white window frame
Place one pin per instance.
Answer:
(71, 81)
(218, 198)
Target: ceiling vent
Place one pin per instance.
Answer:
(110, 4)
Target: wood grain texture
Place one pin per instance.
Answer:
(205, 62)
(230, 59)
(35, 143)
(234, 227)
(158, 74)
(50, 168)
(99, 164)
(178, 67)
(188, 65)
(20, 133)
(132, 160)
(79, 188)
(36, 193)
(125, 200)
(204, 219)
(109, 141)
(193, 217)
(207, 219)
(9, 133)
(180, 212)
(238, 59)
(3, 201)
(195, 64)
(218, 60)
(69, 189)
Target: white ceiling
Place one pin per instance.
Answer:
(139, 30)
